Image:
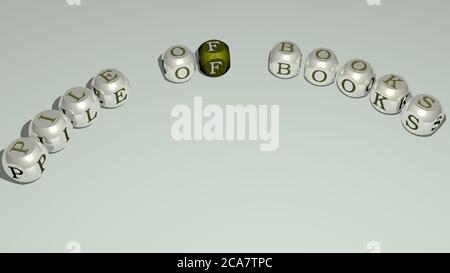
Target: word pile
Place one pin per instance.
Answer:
(24, 160)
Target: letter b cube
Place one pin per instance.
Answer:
(285, 59)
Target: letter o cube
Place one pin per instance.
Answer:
(179, 64)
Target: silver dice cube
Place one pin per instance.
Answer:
(179, 64)
(111, 87)
(356, 78)
(321, 67)
(80, 105)
(390, 94)
(52, 128)
(422, 115)
(24, 160)
(285, 59)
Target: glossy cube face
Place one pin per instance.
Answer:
(214, 58)
(321, 67)
(52, 128)
(356, 78)
(179, 64)
(80, 105)
(422, 115)
(390, 94)
(111, 87)
(285, 59)
(24, 160)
